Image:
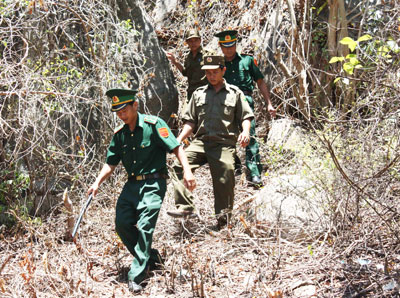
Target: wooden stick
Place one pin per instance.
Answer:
(70, 212)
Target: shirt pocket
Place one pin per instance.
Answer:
(228, 108)
(201, 106)
(144, 152)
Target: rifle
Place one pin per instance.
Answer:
(78, 221)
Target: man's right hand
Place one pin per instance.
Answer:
(105, 172)
(93, 189)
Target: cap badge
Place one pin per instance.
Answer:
(209, 59)
(227, 37)
(115, 99)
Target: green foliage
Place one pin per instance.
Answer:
(310, 249)
(13, 187)
(372, 54)
(351, 61)
(11, 190)
(127, 24)
(352, 44)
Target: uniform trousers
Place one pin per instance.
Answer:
(137, 211)
(253, 160)
(221, 162)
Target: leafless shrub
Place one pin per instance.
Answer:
(58, 58)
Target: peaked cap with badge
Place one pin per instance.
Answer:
(213, 62)
(120, 98)
(192, 33)
(227, 38)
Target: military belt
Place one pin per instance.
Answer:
(148, 176)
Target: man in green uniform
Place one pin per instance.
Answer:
(141, 144)
(191, 68)
(214, 114)
(242, 71)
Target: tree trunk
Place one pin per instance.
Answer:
(337, 30)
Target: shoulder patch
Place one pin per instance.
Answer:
(163, 131)
(150, 119)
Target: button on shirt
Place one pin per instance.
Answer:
(218, 116)
(142, 151)
(242, 71)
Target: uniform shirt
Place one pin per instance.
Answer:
(242, 71)
(192, 70)
(144, 150)
(218, 116)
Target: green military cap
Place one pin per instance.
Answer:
(213, 62)
(227, 38)
(120, 98)
(192, 33)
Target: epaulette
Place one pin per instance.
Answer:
(251, 57)
(201, 88)
(247, 54)
(150, 119)
(118, 128)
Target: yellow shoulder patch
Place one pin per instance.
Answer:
(118, 128)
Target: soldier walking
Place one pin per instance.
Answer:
(242, 71)
(214, 115)
(141, 144)
(192, 65)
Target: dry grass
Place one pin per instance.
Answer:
(247, 259)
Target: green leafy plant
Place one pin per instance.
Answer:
(351, 61)
(11, 190)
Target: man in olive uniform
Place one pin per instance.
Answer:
(141, 144)
(214, 114)
(191, 68)
(242, 71)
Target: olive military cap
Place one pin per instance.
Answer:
(227, 38)
(213, 62)
(192, 33)
(120, 98)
